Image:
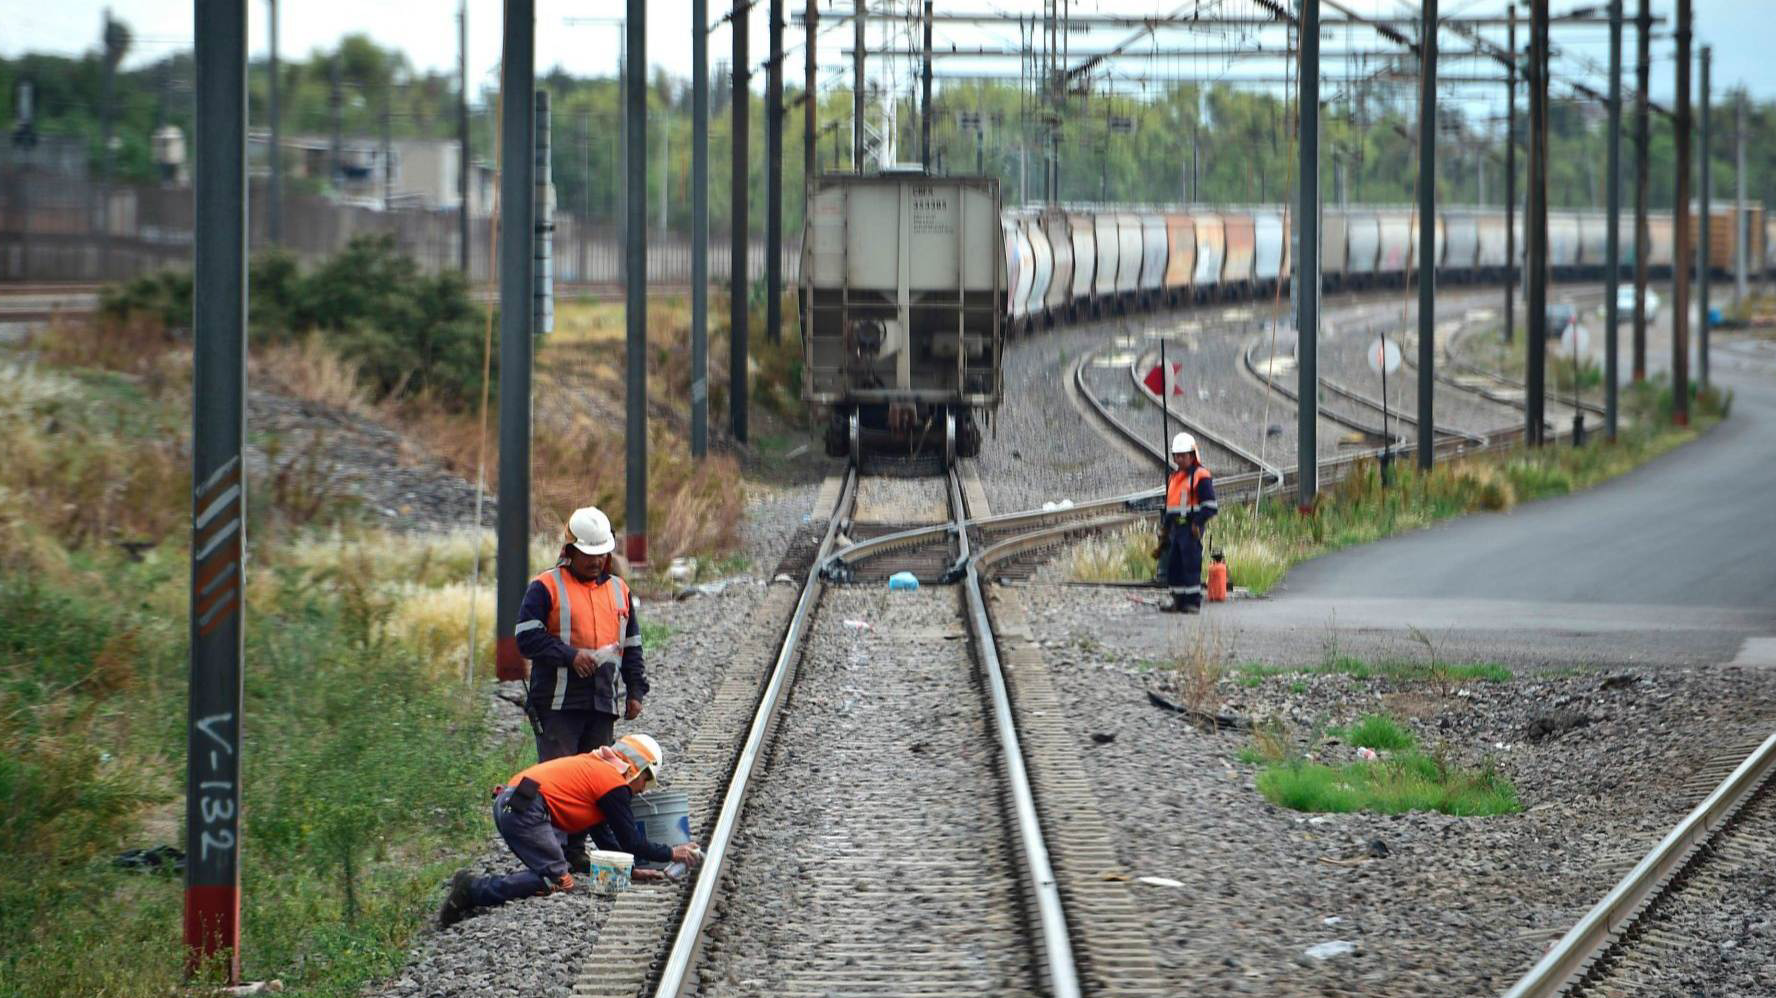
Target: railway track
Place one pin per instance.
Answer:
(879, 830)
(1637, 940)
(1346, 403)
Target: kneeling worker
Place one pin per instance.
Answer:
(549, 802)
(1190, 503)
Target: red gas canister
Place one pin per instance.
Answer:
(1217, 580)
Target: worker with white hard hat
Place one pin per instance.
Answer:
(1190, 504)
(539, 808)
(577, 627)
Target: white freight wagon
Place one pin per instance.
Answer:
(904, 294)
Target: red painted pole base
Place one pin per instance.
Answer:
(212, 926)
(508, 664)
(635, 549)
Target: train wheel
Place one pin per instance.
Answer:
(949, 438)
(856, 435)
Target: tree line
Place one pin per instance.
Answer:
(1204, 143)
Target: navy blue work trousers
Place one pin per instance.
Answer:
(1184, 566)
(574, 732)
(535, 840)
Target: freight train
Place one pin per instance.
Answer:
(1069, 263)
(911, 282)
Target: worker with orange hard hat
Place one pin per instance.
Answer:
(1190, 504)
(539, 808)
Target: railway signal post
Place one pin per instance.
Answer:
(516, 265)
(738, 194)
(699, 227)
(1703, 264)
(635, 289)
(1427, 228)
(1307, 274)
(219, 491)
(1680, 210)
(1612, 278)
(1536, 228)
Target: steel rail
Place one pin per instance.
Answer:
(1196, 429)
(1569, 959)
(1359, 398)
(675, 973)
(1057, 942)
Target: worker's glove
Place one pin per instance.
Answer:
(687, 853)
(632, 709)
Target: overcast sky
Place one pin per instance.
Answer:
(1740, 31)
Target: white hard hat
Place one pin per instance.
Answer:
(589, 530)
(1183, 443)
(643, 754)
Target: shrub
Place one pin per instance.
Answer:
(408, 332)
(1380, 732)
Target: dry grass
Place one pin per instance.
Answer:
(311, 370)
(1196, 674)
(1123, 555)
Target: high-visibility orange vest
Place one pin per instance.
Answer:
(571, 787)
(1182, 488)
(591, 615)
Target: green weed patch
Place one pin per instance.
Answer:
(1404, 778)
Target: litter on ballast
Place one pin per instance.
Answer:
(1328, 950)
(1366, 753)
(1331, 919)
(858, 625)
(903, 581)
(682, 570)
(1160, 881)
(1052, 507)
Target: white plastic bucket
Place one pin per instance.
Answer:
(610, 871)
(664, 817)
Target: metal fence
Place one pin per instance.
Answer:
(60, 229)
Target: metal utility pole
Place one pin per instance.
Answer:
(1307, 274)
(699, 226)
(1683, 255)
(1613, 224)
(274, 200)
(1535, 345)
(336, 110)
(1741, 221)
(774, 178)
(635, 290)
(737, 316)
(1427, 228)
(517, 206)
(462, 136)
(1643, 24)
(810, 106)
(388, 147)
(219, 489)
(1511, 180)
(543, 243)
(925, 97)
(858, 97)
(1704, 263)
(115, 41)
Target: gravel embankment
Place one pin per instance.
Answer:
(535, 946)
(1430, 904)
(874, 849)
(900, 500)
(358, 461)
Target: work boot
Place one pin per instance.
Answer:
(457, 903)
(578, 861)
(1191, 608)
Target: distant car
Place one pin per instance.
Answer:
(1560, 317)
(1625, 302)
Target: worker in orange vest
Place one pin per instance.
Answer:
(540, 807)
(577, 627)
(1190, 504)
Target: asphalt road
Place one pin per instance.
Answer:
(1674, 562)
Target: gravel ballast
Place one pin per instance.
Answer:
(873, 850)
(1428, 903)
